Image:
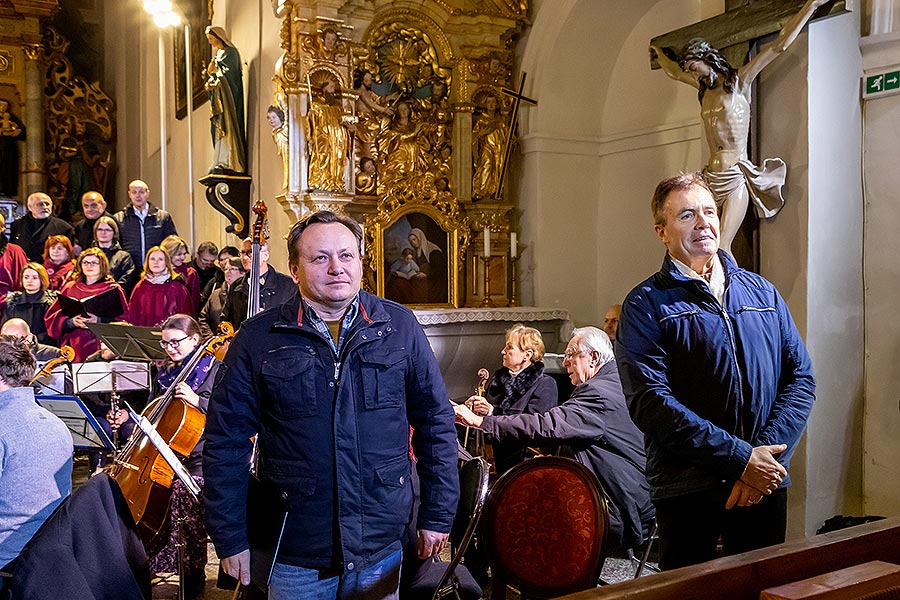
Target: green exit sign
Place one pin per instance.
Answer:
(881, 84)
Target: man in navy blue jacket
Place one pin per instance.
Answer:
(331, 381)
(718, 379)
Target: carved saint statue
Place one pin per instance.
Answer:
(275, 117)
(11, 131)
(371, 109)
(405, 149)
(225, 87)
(328, 136)
(488, 145)
(725, 112)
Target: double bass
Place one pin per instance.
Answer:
(143, 475)
(257, 238)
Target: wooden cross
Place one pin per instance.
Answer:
(517, 97)
(744, 22)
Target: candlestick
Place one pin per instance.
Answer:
(513, 250)
(487, 242)
(513, 298)
(487, 302)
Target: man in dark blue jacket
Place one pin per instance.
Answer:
(718, 379)
(331, 381)
(142, 225)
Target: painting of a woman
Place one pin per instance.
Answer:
(427, 284)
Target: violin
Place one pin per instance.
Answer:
(143, 475)
(66, 355)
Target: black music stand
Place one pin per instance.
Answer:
(84, 427)
(130, 341)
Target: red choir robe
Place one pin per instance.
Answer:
(153, 303)
(60, 327)
(192, 280)
(11, 264)
(58, 273)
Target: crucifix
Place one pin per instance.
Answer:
(691, 55)
(518, 98)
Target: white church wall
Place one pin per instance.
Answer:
(881, 274)
(605, 131)
(809, 116)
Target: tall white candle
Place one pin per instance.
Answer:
(362, 241)
(513, 249)
(487, 242)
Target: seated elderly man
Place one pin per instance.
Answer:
(35, 451)
(595, 426)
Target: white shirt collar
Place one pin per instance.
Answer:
(715, 280)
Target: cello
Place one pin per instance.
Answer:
(143, 475)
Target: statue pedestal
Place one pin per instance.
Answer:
(299, 205)
(230, 195)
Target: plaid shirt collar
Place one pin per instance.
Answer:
(322, 327)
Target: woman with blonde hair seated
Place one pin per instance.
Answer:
(520, 386)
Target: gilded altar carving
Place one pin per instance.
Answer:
(411, 118)
(79, 129)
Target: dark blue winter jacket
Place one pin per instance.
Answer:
(706, 383)
(333, 435)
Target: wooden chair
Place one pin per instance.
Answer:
(545, 526)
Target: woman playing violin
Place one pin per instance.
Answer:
(181, 340)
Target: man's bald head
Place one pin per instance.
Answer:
(16, 327)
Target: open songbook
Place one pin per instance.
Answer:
(106, 305)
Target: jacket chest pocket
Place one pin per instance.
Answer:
(384, 377)
(291, 384)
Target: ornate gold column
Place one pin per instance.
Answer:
(34, 174)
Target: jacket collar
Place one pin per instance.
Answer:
(371, 310)
(151, 209)
(670, 270)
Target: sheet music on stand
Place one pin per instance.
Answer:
(57, 383)
(130, 341)
(84, 427)
(113, 376)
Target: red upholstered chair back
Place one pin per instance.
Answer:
(545, 527)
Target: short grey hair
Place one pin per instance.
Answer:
(592, 339)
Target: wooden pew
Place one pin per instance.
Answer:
(744, 576)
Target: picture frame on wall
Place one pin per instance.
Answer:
(199, 14)
(417, 258)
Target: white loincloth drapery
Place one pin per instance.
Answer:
(764, 185)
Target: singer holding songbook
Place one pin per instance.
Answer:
(67, 321)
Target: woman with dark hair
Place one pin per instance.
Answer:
(520, 386)
(177, 249)
(160, 293)
(121, 265)
(59, 260)
(211, 315)
(89, 278)
(32, 303)
(181, 340)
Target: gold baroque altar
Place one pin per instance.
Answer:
(396, 116)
